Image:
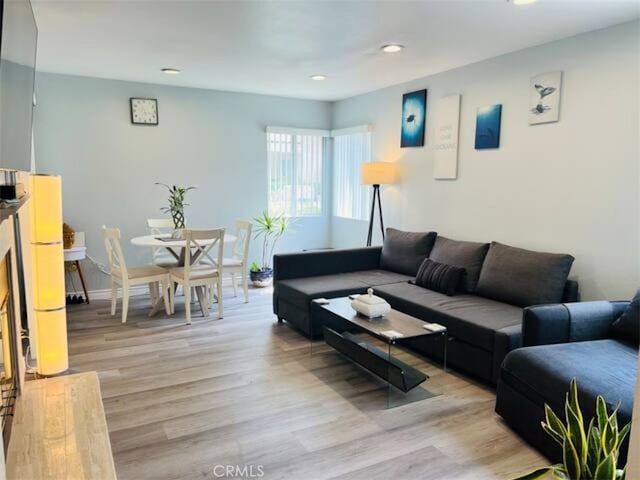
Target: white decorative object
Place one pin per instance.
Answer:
(544, 98)
(370, 306)
(445, 164)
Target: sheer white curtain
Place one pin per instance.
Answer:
(351, 148)
(295, 170)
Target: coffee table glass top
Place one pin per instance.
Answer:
(406, 325)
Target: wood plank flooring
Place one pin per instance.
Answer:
(181, 400)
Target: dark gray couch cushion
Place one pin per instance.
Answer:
(403, 252)
(627, 327)
(300, 291)
(467, 255)
(523, 277)
(469, 318)
(602, 367)
(439, 277)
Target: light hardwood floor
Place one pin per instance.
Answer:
(243, 390)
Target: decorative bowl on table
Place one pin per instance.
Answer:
(370, 306)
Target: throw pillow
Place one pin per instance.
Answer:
(467, 255)
(523, 277)
(439, 277)
(403, 252)
(627, 327)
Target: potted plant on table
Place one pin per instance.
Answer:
(176, 203)
(270, 228)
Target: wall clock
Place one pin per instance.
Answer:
(144, 111)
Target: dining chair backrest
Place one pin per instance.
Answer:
(159, 225)
(117, 264)
(243, 236)
(195, 240)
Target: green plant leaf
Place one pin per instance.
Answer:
(559, 439)
(554, 422)
(571, 459)
(575, 432)
(606, 470)
(539, 473)
(601, 412)
(595, 450)
(608, 439)
(573, 400)
(560, 474)
(623, 433)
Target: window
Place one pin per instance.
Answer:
(351, 148)
(295, 171)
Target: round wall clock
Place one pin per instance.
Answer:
(144, 111)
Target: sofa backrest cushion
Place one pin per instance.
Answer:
(467, 255)
(403, 252)
(523, 277)
(439, 277)
(627, 327)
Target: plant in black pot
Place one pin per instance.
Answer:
(270, 228)
(176, 203)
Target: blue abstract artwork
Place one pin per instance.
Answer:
(488, 127)
(414, 116)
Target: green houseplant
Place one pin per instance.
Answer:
(176, 203)
(270, 228)
(590, 454)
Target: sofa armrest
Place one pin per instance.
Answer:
(324, 262)
(569, 322)
(505, 340)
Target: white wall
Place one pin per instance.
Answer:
(213, 140)
(568, 187)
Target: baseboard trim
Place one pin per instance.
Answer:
(135, 290)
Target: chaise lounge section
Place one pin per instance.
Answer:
(562, 342)
(483, 319)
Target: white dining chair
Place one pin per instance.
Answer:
(239, 260)
(161, 257)
(200, 270)
(125, 277)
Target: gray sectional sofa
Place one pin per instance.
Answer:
(594, 342)
(483, 318)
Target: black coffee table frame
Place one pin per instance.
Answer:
(341, 320)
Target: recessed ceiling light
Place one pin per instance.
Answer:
(318, 77)
(171, 71)
(392, 48)
(523, 2)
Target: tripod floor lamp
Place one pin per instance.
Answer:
(376, 174)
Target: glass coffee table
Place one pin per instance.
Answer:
(341, 326)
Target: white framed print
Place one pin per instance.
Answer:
(445, 158)
(544, 98)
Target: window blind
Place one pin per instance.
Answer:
(351, 148)
(295, 171)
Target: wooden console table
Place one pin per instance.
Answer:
(60, 431)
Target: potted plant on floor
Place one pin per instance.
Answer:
(589, 453)
(270, 228)
(176, 203)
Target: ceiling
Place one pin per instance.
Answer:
(273, 47)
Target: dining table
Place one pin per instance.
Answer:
(176, 247)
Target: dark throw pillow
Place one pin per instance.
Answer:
(627, 327)
(439, 277)
(523, 277)
(403, 252)
(467, 255)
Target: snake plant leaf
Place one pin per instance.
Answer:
(623, 433)
(573, 400)
(554, 422)
(558, 438)
(560, 474)
(595, 450)
(540, 473)
(601, 411)
(570, 458)
(575, 433)
(609, 439)
(607, 469)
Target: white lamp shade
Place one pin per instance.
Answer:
(46, 208)
(378, 173)
(48, 274)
